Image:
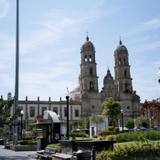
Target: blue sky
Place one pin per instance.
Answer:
(52, 32)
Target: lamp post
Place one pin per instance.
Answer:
(67, 130)
(122, 120)
(22, 113)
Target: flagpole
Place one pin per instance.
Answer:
(16, 72)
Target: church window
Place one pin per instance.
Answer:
(128, 107)
(91, 71)
(91, 85)
(90, 58)
(85, 58)
(119, 62)
(125, 74)
(124, 60)
(126, 87)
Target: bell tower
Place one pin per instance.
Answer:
(88, 75)
(88, 79)
(123, 80)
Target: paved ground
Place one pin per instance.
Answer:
(6, 154)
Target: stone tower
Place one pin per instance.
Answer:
(88, 79)
(130, 101)
(108, 86)
(123, 80)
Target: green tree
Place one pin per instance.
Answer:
(129, 123)
(111, 109)
(5, 117)
(141, 121)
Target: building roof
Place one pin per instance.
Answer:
(108, 77)
(121, 48)
(88, 45)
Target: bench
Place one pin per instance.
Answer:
(46, 154)
(62, 156)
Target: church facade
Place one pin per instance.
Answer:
(119, 88)
(87, 99)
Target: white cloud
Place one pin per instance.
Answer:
(56, 24)
(47, 82)
(146, 26)
(4, 8)
(44, 71)
(49, 31)
(147, 46)
(151, 24)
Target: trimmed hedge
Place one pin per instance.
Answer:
(132, 151)
(78, 134)
(27, 142)
(136, 136)
(56, 147)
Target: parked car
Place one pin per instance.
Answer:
(140, 128)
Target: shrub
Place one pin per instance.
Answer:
(152, 135)
(130, 151)
(111, 137)
(56, 147)
(27, 142)
(78, 134)
(109, 132)
(136, 136)
(129, 123)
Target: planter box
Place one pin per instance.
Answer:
(69, 146)
(23, 147)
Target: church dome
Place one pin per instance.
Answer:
(121, 48)
(75, 94)
(87, 46)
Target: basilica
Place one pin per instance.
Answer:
(118, 87)
(87, 99)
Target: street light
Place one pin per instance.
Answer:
(67, 103)
(21, 114)
(122, 121)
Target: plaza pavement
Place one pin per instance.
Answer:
(6, 154)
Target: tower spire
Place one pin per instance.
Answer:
(87, 38)
(120, 41)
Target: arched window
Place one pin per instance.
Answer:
(90, 58)
(91, 71)
(85, 58)
(91, 85)
(125, 73)
(126, 87)
(124, 60)
(120, 62)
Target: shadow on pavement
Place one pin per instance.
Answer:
(15, 158)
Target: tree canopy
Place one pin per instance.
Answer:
(111, 108)
(5, 117)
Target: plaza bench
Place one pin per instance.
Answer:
(46, 154)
